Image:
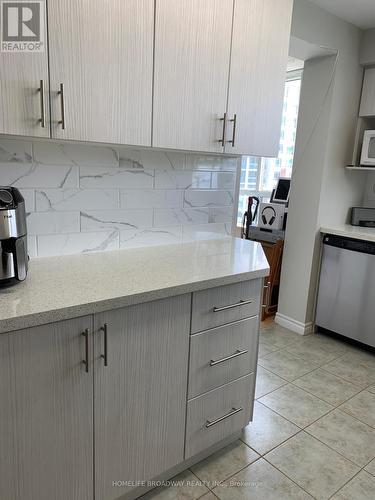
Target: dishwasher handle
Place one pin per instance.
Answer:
(352, 244)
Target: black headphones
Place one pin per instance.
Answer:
(268, 219)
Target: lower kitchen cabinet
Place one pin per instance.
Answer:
(140, 396)
(46, 418)
(90, 407)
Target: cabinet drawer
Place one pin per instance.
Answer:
(222, 354)
(218, 414)
(225, 304)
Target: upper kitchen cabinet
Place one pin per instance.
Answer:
(24, 72)
(261, 30)
(101, 63)
(368, 94)
(192, 55)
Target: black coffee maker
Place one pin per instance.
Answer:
(13, 237)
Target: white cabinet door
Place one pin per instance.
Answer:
(46, 413)
(261, 31)
(102, 53)
(368, 94)
(140, 396)
(192, 52)
(21, 101)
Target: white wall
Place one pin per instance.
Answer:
(82, 198)
(367, 54)
(322, 190)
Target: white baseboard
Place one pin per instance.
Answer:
(294, 325)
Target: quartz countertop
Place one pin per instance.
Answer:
(59, 288)
(348, 231)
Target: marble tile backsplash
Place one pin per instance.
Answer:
(82, 198)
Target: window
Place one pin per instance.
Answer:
(259, 175)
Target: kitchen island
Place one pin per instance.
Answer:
(120, 367)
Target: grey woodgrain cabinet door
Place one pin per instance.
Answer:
(46, 413)
(21, 103)
(192, 52)
(140, 396)
(261, 31)
(102, 54)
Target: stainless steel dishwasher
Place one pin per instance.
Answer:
(346, 295)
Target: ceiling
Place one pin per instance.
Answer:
(361, 13)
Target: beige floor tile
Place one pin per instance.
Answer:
(312, 465)
(371, 467)
(260, 481)
(361, 487)
(361, 406)
(296, 405)
(286, 365)
(267, 430)
(208, 496)
(224, 463)
(356, 366)
(267, 382)
(346, 435)
(278, 337)
(326, 386)
(186, 487)
(317, 349)
(265, 349)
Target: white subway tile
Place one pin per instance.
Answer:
(177, 216)
(223, 180)
(15, 151)
(54, 153)
(67, 244)
(101, 177)
(53, 223)
(99, 220)
(221, 214)
(29, 197)
(151, 159)
(39, 176)
(205, 232)
(32, 249)
(207, 198)
(150, 237)
(151, 198)
(76, 199)
(172, 179)
(212, 163)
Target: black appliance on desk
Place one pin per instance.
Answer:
(13, 237)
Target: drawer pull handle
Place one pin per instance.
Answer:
(231, 306)
(239, 352)
(210, 423)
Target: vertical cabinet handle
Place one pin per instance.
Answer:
(224, 120)
(42, 119)
(104, 356)
(62, 103)
(86, 360)
(234, 121)
(266, 287)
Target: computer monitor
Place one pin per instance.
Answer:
(281, 194)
